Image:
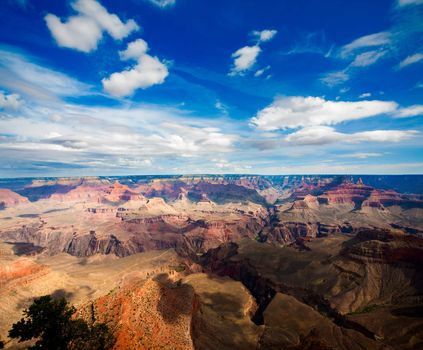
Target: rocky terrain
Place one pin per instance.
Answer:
(228, 262)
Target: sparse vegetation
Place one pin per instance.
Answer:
(50, 323)
(365, 310)
(180, 268)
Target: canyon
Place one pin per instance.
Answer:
(221, 261)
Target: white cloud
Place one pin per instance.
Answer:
(314, 135)
(358, 54)
(260, 72)
(144, 135)
(367, 58)
(322, 135)
(134, 50)
(80, 33)
(383, 135)
(264, 35)
(244, 59)
(221, 107)
(417, 57)
(23, 74)
(409, 2)
(298, 111)
(11, 101)
(55, 117)
(372, 40)
(335, 78)
(83, 31)
(411, 111)
(365, 95)
(361, 155)
(163, 3)
(147, 72)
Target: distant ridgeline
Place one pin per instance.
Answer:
(399, 183)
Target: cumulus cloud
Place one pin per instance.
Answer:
(246, 57)
(322, 135)
(134, 50)
(298, 111)
(163, 3)
(11, 101)
(411, 111)
(147, 72)
(417, 57)
(83, 31)
(264, 35)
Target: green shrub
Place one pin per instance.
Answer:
(49, 322)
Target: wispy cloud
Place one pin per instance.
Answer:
(313, 42)
(411, 111)
(361, 155)
(389, 44)
(402, 3)
(163, 3)
(144, 132)
(322, 135)
(364, 42)
(22, 73)
(417, 57)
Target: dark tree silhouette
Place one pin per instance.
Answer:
(49, 321)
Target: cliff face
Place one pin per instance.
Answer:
(385, 247)
(357, 195)
(9, 199)
(170, 311)
(334, 277)
(90, 216)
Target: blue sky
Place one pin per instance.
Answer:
(91, 87)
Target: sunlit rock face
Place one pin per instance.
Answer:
(123, 216)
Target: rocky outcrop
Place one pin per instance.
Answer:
(9, 199)
(288, 232)
(333, 277)
(89, 245)
(121, 193)
(385, 247)
(156, 313)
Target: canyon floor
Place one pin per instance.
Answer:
(220, 262)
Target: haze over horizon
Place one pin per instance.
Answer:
(185, 87)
